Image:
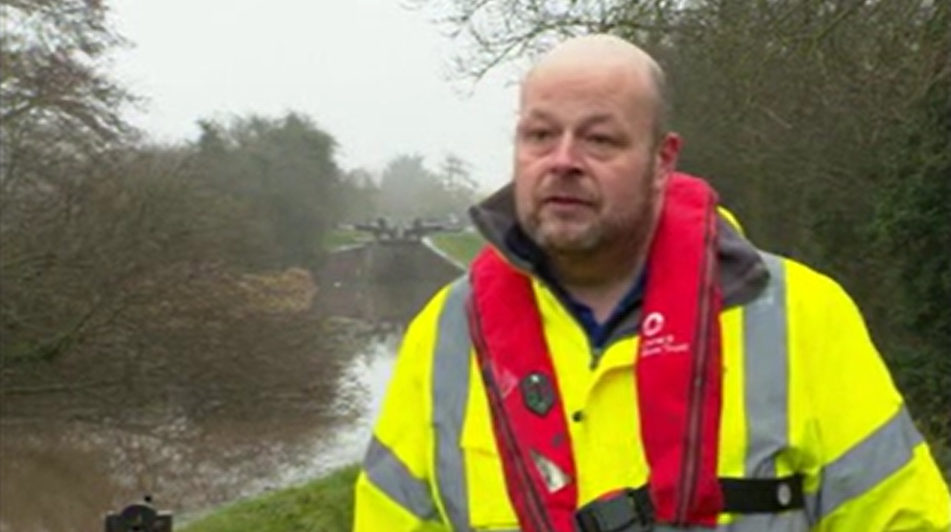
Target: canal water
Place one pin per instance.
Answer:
(63, 473)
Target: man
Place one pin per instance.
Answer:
(620, 358)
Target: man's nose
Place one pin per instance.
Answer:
(565, 158)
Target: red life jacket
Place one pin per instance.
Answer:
(678, 373)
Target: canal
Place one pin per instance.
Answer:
(65, 462)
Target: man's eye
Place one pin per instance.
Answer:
(538, 135)
(601, 140)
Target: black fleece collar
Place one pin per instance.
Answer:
(743, 274)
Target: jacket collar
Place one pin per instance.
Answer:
(742, 271)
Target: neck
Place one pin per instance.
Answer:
(601, 279)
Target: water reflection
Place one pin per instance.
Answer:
(62, 474)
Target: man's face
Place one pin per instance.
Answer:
(588, 168)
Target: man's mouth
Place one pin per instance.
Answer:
(567, 201)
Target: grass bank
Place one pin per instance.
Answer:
(460, 246)
(323, 505)
(338, 238)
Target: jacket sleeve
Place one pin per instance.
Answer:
(877, 472)
(394, 489)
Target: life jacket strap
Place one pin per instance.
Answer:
(631, 510)
(762, 495)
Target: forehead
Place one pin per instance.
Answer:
(579, 90)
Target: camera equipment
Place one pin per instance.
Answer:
(139, 517)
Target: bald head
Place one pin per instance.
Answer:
(598, 54)
(592, 155)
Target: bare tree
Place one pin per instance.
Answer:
(117, 261)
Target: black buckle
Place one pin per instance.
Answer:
(628, 510)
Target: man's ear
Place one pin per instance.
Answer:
(667, 153)
(665, 160)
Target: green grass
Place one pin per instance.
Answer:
(345, 237)
(323, 505)
(462, 247)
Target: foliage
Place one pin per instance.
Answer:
(409, 189)
(914, 231)
(65, 260)
(124, 262)
(284, 173)
(52, 79)
(360, 195)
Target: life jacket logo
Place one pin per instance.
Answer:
(653, 323)
(537, 393)
(656, 341)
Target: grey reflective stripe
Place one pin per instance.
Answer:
(450, 394)
(766, 361)
(665, 528)
(782, 522)
(391, 476)
(785, 522)
(766, 395)
(866, 465)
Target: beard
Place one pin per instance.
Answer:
(589, 229)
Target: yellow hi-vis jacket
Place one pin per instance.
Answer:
(804, 391)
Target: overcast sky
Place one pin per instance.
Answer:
(370, 72)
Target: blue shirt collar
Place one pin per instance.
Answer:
(598, 333)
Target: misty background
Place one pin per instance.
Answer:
(216, 218)
(378, 74)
